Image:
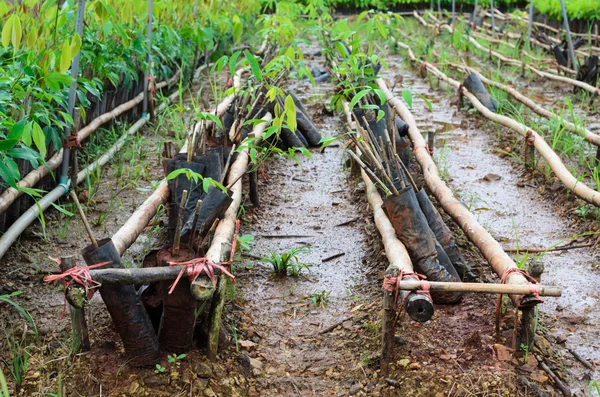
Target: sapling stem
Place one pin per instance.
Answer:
(194, 225)
(177, 240)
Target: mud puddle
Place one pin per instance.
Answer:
(515, 214)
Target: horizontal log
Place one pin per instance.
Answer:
(138, 275)
(485, 288)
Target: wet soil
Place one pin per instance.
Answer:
(518, 212)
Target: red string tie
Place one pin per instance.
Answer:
(197, 266)
(72, 142)
(392, 284)
(535, 291)
(77, 275)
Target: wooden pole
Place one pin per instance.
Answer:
(572, 60)
(530, 22)
(195, 222)
(148, 58)
(215, 315)
(79, 329)
(84, 219)
(528, 317)
(180, 214)
(486, 288)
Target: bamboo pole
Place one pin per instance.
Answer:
(590, 136)
(485, 288)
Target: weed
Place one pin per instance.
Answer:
(175, 359)
(525, 348)
(319, 298)
(594, 386)
(159, 369)
(287, 263)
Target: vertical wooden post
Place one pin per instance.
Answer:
(64, 170)
(254, 189)
(529, 25)
(388, 325)
(453, 10)
(529, 151)
(528, 318)
(493, 23)
(79, 329)
(572, 62)
(474, 15)
(148, 59)
(74, 161)
(439, 9)
(216, 310)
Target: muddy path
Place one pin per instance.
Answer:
(309, 204)
(512, 209)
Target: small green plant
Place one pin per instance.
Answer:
(525, 348)
(287, 263)
(3, 385)
(245, 242)
(319, 298)
(159, 369)
(594, 386)
(175, 359)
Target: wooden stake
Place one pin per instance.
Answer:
(177, 240)
(227, 163)
(84, 219)
(79, 329)
(194, 225)
(214, 317)
(528, 318)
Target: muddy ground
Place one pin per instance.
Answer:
(276, 337)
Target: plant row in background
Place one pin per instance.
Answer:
(39, 43)
(576, 9)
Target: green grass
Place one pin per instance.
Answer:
(287, 263)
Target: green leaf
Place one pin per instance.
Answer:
(17, 130)
(326, 141)
(62, 209)
(55, 79)
(25, 153)
(75, 45)
(406, 94)
(358, 97)
(306, 152)
(290, 112)
(6, 174)
(233, 61)
(7, 31)
(8, 144)
(65, 57)
(39, 139)
(427, 102)
(17, 33)
(253, 65)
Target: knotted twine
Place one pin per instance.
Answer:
(197, 266)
